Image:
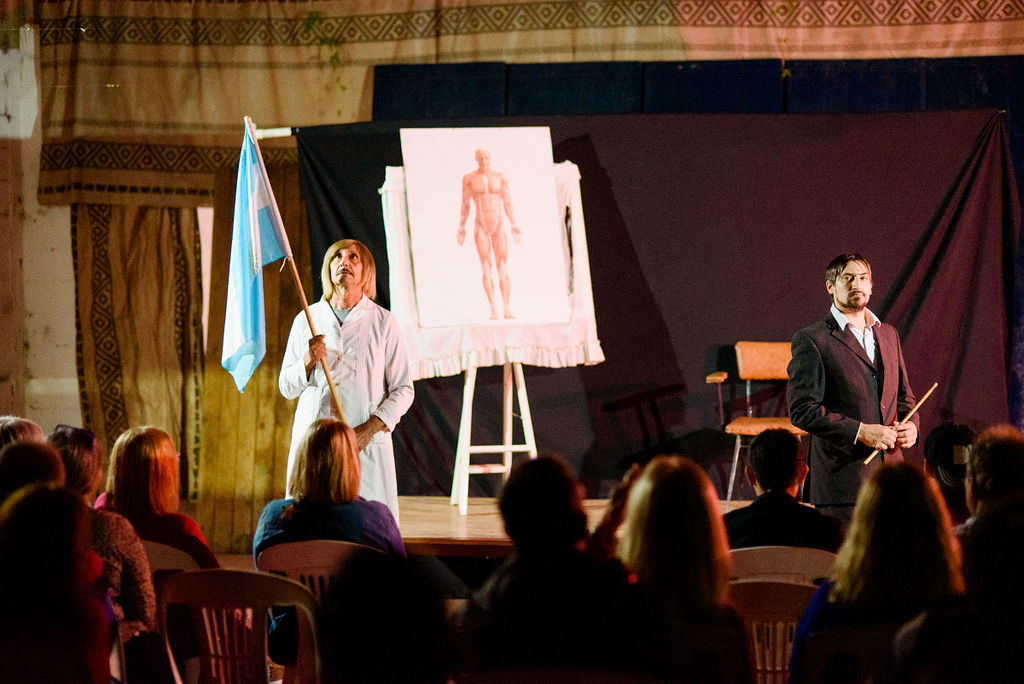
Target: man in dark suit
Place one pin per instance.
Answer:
(848, 388)
(775, 518)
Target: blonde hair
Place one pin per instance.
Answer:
(900, 555)
(327, 466)
(674, 537)
(143, 478)
(369, 282)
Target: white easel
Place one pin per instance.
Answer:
(464, 450)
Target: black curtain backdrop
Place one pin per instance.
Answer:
(708, 229)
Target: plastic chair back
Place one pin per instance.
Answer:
(847, 655)
(771, 612)
(229, 610)
(165, 557)
(781, 564)
(314, 563)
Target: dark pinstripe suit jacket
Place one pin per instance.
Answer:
(833, 387)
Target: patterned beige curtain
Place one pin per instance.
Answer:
(245, 437)
(139, 322)
(144, 100)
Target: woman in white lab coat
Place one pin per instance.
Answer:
(363, 349)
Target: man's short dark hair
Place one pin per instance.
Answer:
(996, 464)
(541, 506)
(836, 266)
(775, 458)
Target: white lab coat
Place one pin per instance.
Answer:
(367, 360)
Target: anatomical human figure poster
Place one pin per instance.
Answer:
(485, 235)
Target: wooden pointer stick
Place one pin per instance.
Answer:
(908, 417)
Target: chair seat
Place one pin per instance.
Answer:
(751, 426)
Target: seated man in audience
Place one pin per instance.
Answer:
(995, 471)
(945, 458)
(776, 469)
(550, 604)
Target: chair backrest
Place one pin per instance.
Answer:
(847, 655)
(713, 653)
(771, 612)
(781, 564)
(228, 610)
(117, 665)
(763, 360)
(553, 675)
(314, 563)
(165, 557)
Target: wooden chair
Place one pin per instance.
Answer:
(771, 612)
(781, 564)
(847, 655)
(755, 361)
(229, 611)
(314, 563)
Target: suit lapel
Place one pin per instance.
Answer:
(846, 337)
(885, 339)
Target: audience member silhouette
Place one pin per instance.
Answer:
(57, 628)
(17, 429)
(550, 604)
(995, 471)
(326, 502)
(899, 558)
(384, 622)
(977, 639)
(125, 565)
(946, 451)
(674, 540)
(142, 485)
(776, 469)
(23, 463)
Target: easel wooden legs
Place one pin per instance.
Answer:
(463, 450)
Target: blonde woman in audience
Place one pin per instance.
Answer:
(673, 537)
(674, 542)
(142, 485)
(899, 557)
(326, 502)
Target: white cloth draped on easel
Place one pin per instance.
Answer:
(435, 352)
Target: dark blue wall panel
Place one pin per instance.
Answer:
(746, 86)
(873, 85)
(575, 88)
(438, 91)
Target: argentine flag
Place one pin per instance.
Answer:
(257, 239)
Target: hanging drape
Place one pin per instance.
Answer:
(245, 436)
(954, 297)
(143, 101)
(139, 322)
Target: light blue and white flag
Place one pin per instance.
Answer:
(257, 239)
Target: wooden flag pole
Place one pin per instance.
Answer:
(908, 417)
(295, 271)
